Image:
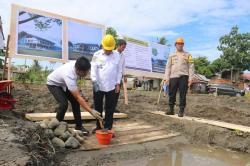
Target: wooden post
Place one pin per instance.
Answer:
(162, 82)
(125, 91)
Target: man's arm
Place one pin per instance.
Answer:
(119, 75)
(168, 70)
(190, 69)
(93, 72)
(81, 100)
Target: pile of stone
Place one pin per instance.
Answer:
(61, 135)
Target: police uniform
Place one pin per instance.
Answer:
(179, 71)
(106, 71)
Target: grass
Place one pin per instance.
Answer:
(42, 53)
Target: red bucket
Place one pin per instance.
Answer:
(104, 136)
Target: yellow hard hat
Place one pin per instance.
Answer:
(179, 40)
(108, 42)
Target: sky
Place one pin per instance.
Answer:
(77, 33)
(200, 23)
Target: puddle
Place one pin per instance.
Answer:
(190, 155)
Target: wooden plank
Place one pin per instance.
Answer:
(92, 144)
(68, 116)
(207, 121)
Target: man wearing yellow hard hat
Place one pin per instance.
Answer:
(106, 74)
(178, 75)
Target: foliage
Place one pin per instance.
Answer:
(163, 41)
(235, 49)
(202, 66)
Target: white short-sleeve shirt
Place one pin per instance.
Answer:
(65, 76)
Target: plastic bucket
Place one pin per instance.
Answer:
(104, 137)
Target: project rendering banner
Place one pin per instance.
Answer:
(159, 56)
(144, 58)
(83, 40)
(41, 35)
(137, 55)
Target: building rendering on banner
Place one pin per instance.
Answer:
(34, 42)
(84, 48)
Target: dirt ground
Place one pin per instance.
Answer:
(14, 129)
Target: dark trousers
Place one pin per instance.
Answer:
(117, 98)
(110, 103)
(180, 83)
(62, 99)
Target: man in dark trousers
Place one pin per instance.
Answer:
(106, 74)
(178, 75)
(62, 83)
(120, 47)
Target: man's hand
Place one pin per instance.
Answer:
(96, 87)
(189, 83)
(166, 82)
(117, 88)
(96, 115)
(125, 79)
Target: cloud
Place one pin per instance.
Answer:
(147, 19)
(161, 33)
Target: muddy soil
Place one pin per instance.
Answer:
(36, 98)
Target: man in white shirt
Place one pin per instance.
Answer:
(62, 83)
(106, 73)
(121, 45)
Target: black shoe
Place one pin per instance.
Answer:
(170, 111)
(181, 113)
(82, 130)
(94, 130)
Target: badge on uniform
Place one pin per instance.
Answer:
(190, 59)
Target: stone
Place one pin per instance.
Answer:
(58, 142)
(72, 142)
(53, 123)
(44, 123)
(22, 161)
(65, 136)
(60, 129)
(49, 133)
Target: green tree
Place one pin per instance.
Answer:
(202, 66)
(36, 66)
(163, 41)
(219, 65)
(111, 31)
(235, 49)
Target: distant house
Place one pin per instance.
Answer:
(246, 79)
(199, 83)
(35, 42)
(85, 48)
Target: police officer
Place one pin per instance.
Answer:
(106, 74)
(178, 75)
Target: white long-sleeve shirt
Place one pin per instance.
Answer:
(122, 62)
(106, 70)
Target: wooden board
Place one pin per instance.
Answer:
(130, 133)
(207, 121)
(68, 116)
